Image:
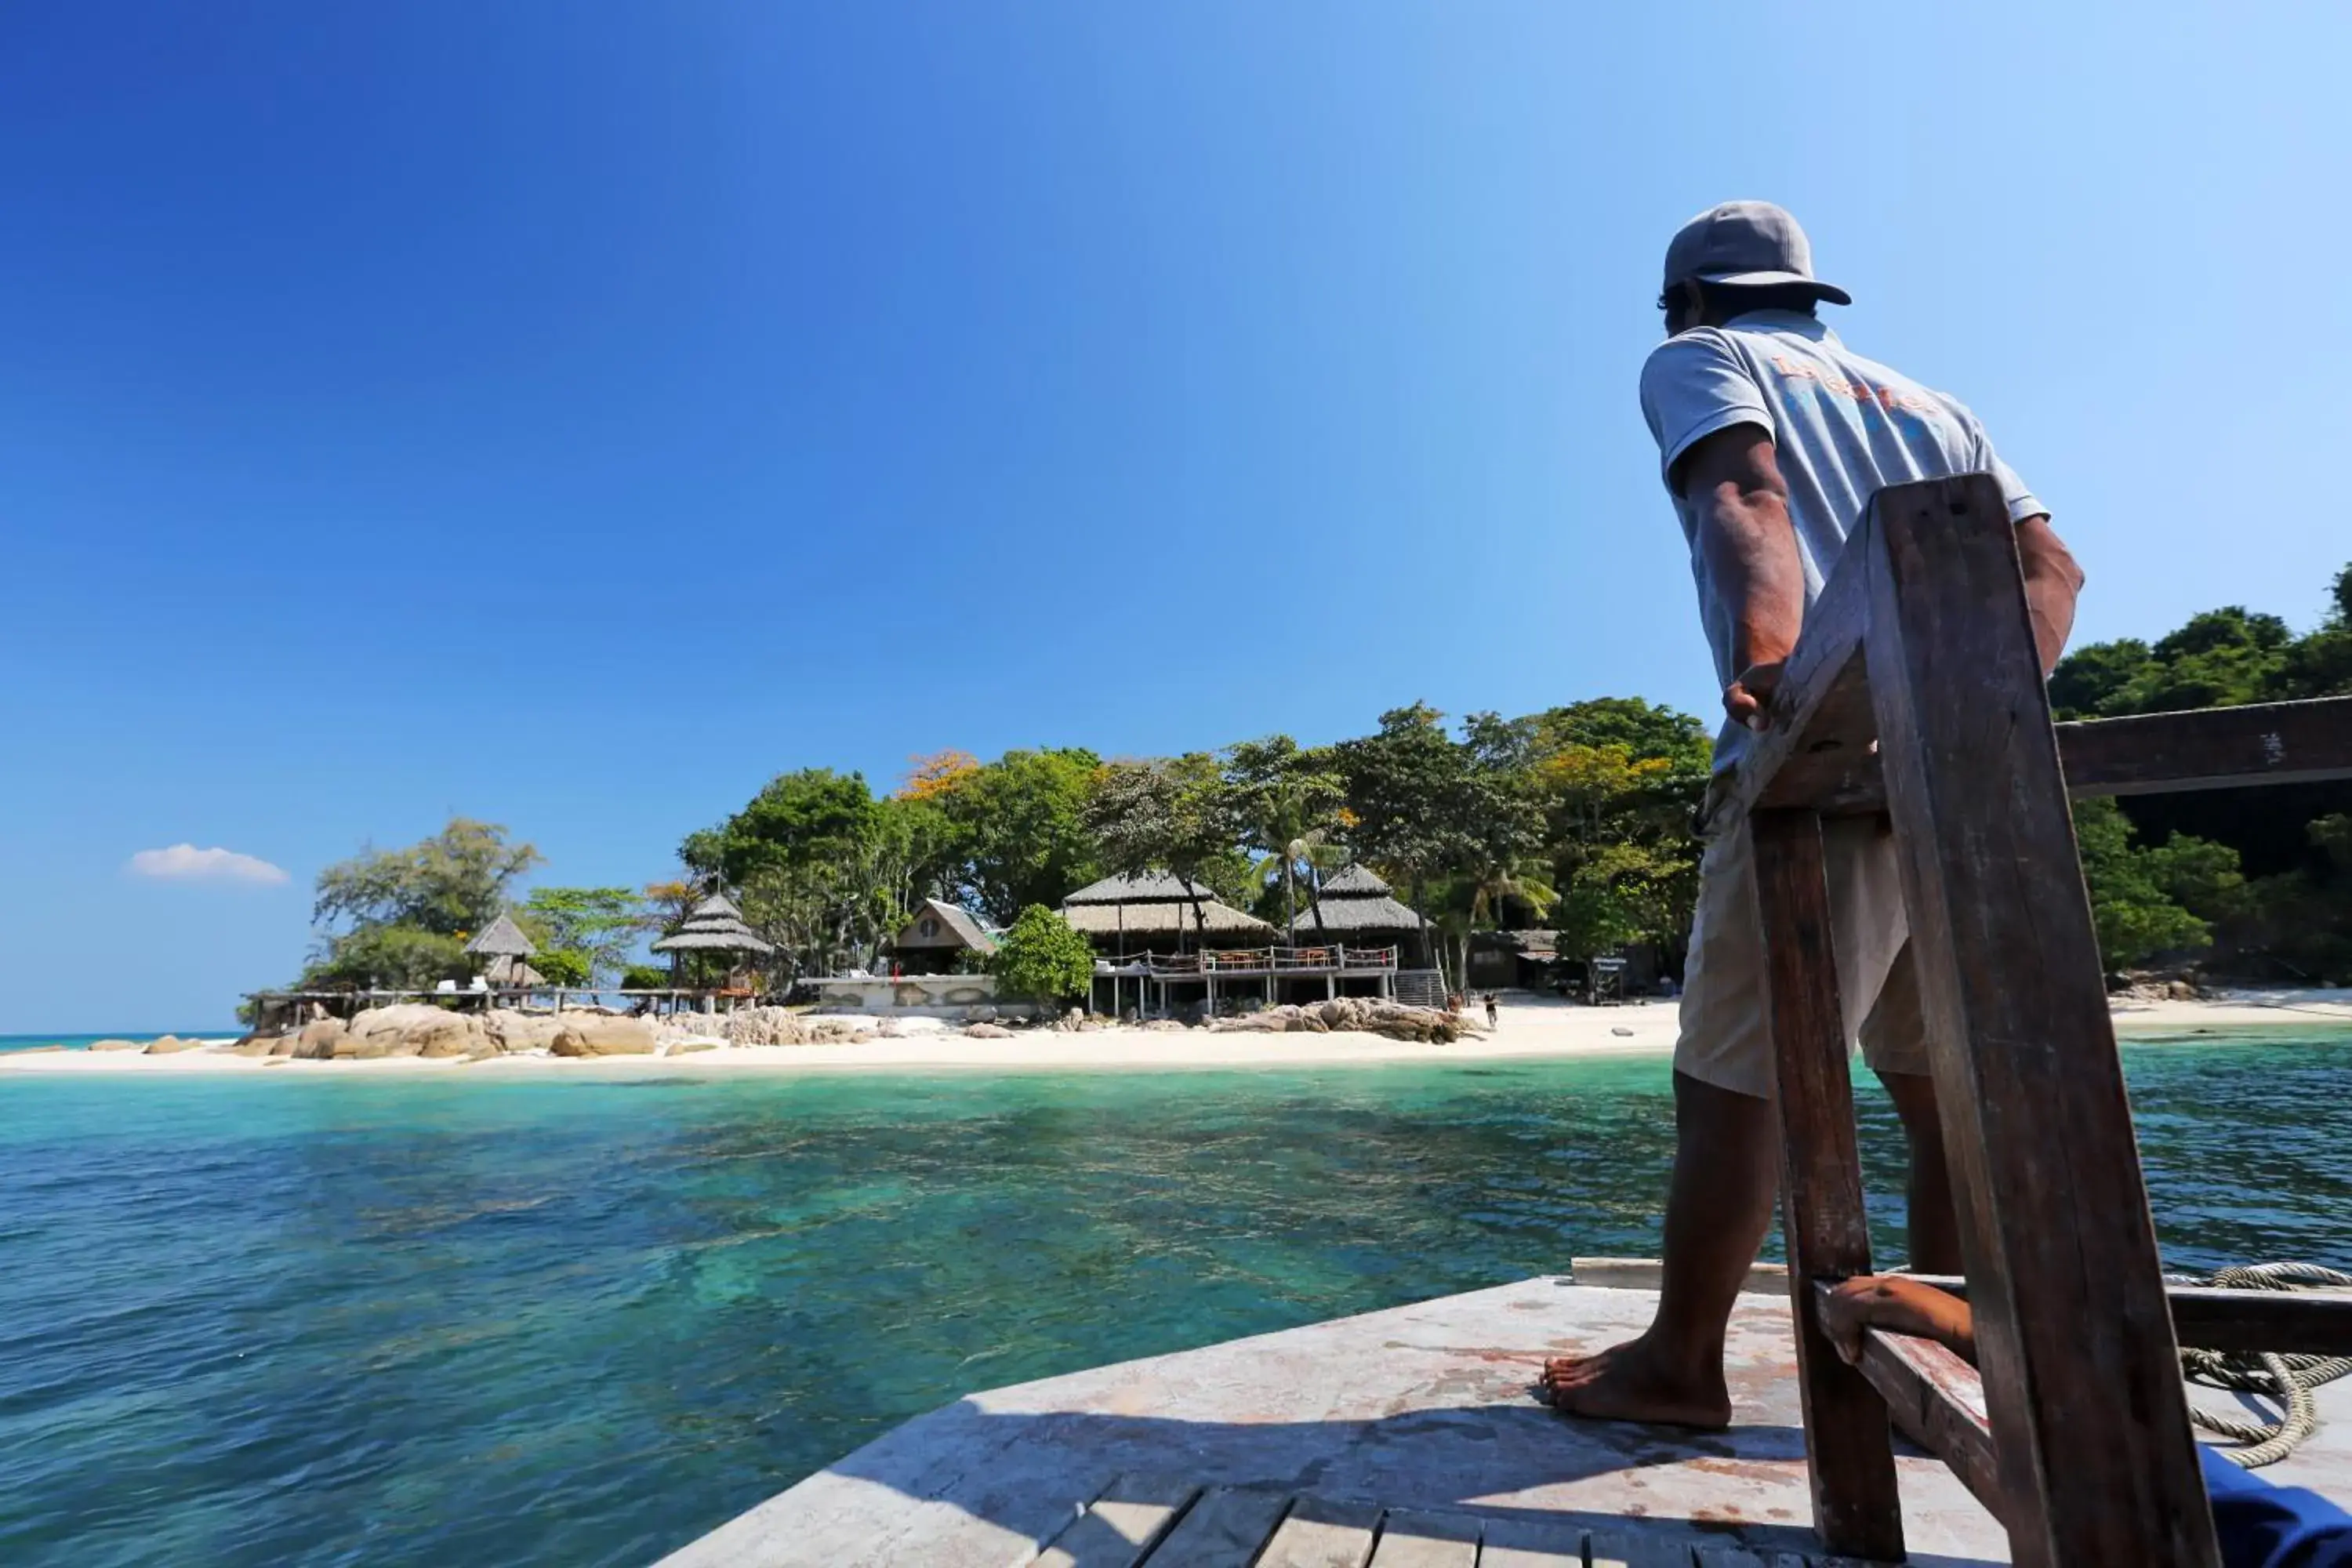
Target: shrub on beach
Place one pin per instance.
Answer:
(1044, 959)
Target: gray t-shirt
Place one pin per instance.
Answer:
(1843, 427)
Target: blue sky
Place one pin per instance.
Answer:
(573, 415)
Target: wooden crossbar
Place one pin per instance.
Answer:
(1915, 689)
(2289, 1323)
(1824, 757)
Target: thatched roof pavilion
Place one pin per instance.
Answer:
(501, 939)
(1355, 902)
(503, 943)
(1155, 904)
(715, 926)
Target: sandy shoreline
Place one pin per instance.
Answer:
(1531, 1028)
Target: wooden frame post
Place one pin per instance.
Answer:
(1849, 1449)
(1917, 690)
(2081, 1377)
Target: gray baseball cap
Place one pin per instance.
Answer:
(1747, 245)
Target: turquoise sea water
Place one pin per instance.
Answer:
(266, 1321)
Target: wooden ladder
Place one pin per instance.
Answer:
(1915, 691)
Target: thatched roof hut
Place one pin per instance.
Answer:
(501, 939)
(941, 928)
(1353, 902)
(1155, 904)
(513, 972)
(715, 926)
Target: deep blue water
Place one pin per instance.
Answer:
(265, 1320)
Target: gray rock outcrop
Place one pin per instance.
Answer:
(1354, 1014)
(170, 1045)
(592, 1035)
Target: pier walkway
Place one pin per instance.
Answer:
(1406, 1438)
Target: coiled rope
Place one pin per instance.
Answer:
(2287, 1380)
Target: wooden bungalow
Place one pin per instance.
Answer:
(940, 939)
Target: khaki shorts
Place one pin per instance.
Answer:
(1724, 1039)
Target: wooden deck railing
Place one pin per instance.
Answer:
(1331, 960)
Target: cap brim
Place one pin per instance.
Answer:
(1830, 292)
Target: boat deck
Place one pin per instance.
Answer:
(1406, 1438)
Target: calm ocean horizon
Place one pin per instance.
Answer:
(82, 1042)
(270, 1319)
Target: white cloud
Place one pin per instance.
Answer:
(186, 863)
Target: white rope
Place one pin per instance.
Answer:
(2286, 1380)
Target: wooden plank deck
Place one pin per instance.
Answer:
(1340, 1438)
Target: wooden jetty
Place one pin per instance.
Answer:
(1406, 1438)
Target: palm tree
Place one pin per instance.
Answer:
(1287, 804)
(1314, 852)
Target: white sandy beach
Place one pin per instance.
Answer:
(1532, 1027)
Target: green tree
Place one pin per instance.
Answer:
(453, 883)
(822, 868)
(598, 925)
(398, 919)
(1619, 779)
(2089, 681)
(564, 966)
(1173, 815)
(2140, 895)
(1413, 801)
(1017, 831)
(1287, 802)
(2178, 891)
(386, 958)
(2320, 665)
(1042, 958)
(1647, 731)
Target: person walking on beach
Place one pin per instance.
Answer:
(1772, 436)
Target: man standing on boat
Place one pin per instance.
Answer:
(1772, 436)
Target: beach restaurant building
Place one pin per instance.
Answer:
(1162, 946)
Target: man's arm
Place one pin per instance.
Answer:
(1901, 1306)
(1731, 483)
(2052, 583)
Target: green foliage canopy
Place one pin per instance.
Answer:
(453, 883)
(1016, 831)
(1174, 813)
(595, 927)
(404, 914)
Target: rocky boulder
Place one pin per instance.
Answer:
(403, 1029)
(506, 1030)
(1358, 1015)
(172, 1044)
(591, 1035)
(745, 1026)
(986, 1032)
(117, 1046)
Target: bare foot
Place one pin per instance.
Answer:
(1626, 1383)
